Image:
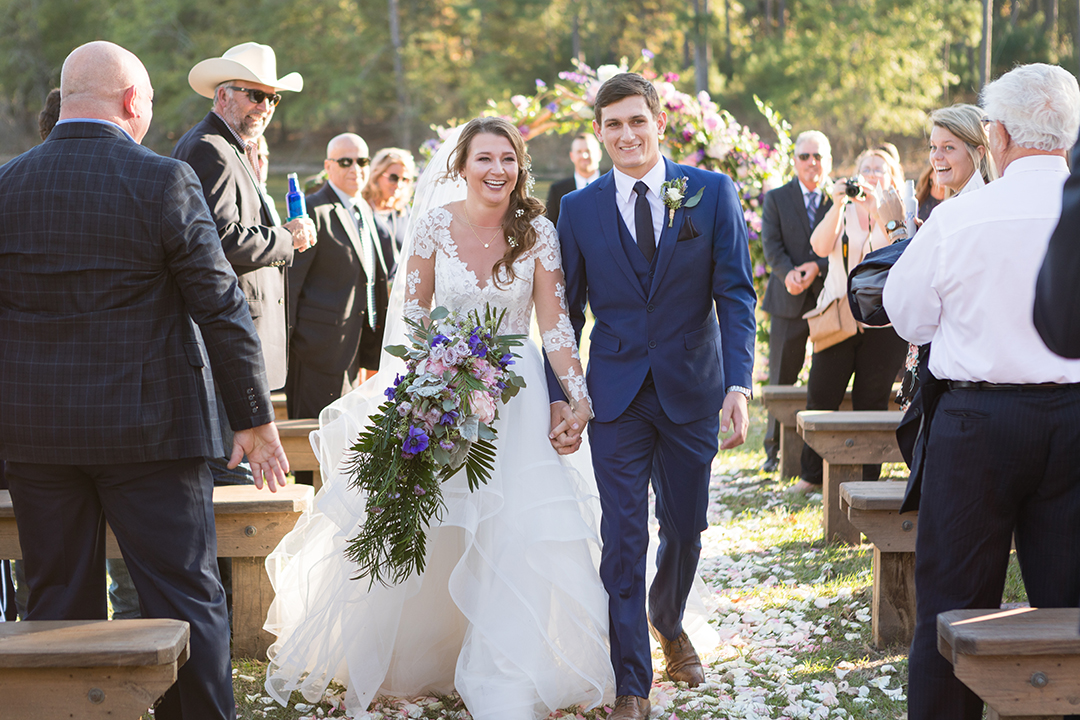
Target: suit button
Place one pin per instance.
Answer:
(652, 343)
(651, 273)
(650, 307)
(253, 403)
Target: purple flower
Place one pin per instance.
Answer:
(449, 417)
(446, 445)
(477, 346)
(647, 54)
(552, 107)
(389, 392)
(415, 442)
(376, 510)
(417, 490)
(506, 360)
(439, 339)
(540, 83)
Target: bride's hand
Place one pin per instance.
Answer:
(566, 428)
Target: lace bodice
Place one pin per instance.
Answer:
(437, 276)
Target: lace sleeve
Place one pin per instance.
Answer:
(420, 271)
(549, 296)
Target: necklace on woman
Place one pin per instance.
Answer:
(472, 227)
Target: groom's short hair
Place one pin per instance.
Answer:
(626, 85)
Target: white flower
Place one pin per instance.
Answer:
(673, 196)
(606, 72)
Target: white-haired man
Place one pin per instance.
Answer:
(1002, 449)
(789, 216)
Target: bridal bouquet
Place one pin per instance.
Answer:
(437, 419)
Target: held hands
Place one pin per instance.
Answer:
(566, 428)
(734, 418)
(303, 233)
(800, 278)
(263, 448)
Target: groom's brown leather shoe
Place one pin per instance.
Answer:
(630, 707)
(683, 663)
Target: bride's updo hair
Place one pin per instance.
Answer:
(523, 208)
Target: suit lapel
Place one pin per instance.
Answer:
(669, 235)
(350, 228)
(798, 204)
(608, 220)
(263, 202)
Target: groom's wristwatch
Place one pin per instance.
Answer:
(740, 389)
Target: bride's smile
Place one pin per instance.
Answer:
(492, 169)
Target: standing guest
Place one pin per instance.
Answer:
(388, 191)
(850, 230)
(338, 289)
(50, 113)
(222, 149)
(959, 152)
(101, 309)
(928, 193)
(789, 216)
(585, 154)
(1057, 297)
(1002, 449)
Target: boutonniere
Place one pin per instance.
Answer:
(672, 193)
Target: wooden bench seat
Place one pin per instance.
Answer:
(88, 668)
(784, 402)
(873, 508)
(280, 413)
(250, 523)
(1024, 663)
(295, 438)
(846, 441)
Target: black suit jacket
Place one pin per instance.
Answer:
(555, 196)
(785, 237)
(1057, 295)
(107, 256)
(331, 322)
(256, 249)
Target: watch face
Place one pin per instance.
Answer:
(892, 225)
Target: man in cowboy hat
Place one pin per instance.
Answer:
(223, 150)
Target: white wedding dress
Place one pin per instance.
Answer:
(510, 611)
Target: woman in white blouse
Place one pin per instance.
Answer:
(873, 355)
(959, 150)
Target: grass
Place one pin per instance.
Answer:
(793, 612)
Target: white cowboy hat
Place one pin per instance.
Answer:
(248, 61)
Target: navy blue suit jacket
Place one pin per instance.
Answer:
(695, 327)
(107, 256)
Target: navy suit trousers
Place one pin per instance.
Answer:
(998, 461)
(640, 444)
(163, 516)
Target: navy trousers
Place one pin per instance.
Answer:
(163, 516)
(640, 444)
(997, 461)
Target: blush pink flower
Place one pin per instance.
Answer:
(483, 405)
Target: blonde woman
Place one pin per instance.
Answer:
(959, 149)
(389, 191)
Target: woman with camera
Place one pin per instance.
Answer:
(850, 230)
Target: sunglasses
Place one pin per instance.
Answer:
(395, 178)
(257, 96)
(806, 156)
(348, 162)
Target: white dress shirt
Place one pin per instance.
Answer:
(805, 190)
(581, 181)
(625, 197)
(967, 280)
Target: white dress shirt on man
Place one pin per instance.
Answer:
(625, 197)
(967, 280)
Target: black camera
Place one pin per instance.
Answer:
(852, 188)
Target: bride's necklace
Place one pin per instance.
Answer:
(472, 227)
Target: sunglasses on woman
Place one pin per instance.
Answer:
(395, 178)
(347, 162)
(257, 96)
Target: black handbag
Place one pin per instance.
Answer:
(866, 283)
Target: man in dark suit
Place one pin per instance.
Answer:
(659, 374)
(585, 155)
(222, 149)
(789, 216)
(108, 261)
(1057, 296)
(338, 289)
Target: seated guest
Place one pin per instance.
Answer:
(1001, 455)
(585, 154)
(388, 191)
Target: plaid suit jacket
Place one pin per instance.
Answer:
(108, 259)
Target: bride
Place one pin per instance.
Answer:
(510, 611)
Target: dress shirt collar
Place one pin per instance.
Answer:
(974, 183)
(236, 136)
(805, 190)
(345, 199)
(581, 181)
(624, 184)
(1036, 163)
(99, 122)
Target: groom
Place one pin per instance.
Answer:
(673, 346)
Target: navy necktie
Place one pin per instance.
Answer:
(643, 222)
(811, 207)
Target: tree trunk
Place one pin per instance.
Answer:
(575, 37)
(987, 42)
(728, 69)
(1050, 20)
(1014, 13)
(701, 45)
(945, 65)
(780, 18)
(404, 124)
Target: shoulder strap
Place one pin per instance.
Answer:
(844, 242)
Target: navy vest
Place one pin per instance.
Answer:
(644, 270)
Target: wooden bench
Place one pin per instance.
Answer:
(250, 523)
(873, 508)
(295, 438)
(1024, 663)
(88, 668)
(280, 413)
(846, 441)
(784, 402)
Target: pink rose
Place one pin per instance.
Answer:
(483, 405)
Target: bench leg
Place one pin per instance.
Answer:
(791, 445)
(252, 595)
(89, 693)
(837, 526)
(316, 479)
(893, 608)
